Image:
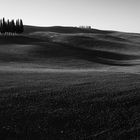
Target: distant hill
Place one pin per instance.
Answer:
(61, 29)
(71, 47)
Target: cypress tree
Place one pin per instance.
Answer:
(7, 27)
(3, 26)
(17, 26)
(21, 27)
(0, 26)
(12, 27)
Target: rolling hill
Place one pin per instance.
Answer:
(70, 83)
(93, 47)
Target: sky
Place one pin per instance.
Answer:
(121, 15)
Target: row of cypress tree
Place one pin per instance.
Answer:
(11, 27)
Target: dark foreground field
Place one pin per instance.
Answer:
(70, 84)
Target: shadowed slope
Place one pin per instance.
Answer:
(18, 39)
(57, 29)
(63, 44)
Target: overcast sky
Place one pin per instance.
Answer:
(122, 15)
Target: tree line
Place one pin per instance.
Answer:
(11, 27)
(85, 27)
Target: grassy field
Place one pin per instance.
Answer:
(86, 105)
(67, 83)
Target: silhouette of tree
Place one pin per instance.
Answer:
(21, 27)
(3, 25)
(8, 26)
(85, 27)
(11, 27)
(0, 25)
(17, 26)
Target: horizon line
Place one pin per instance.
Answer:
(68, 26)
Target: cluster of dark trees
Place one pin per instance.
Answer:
(11, 27)
(85, 27)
